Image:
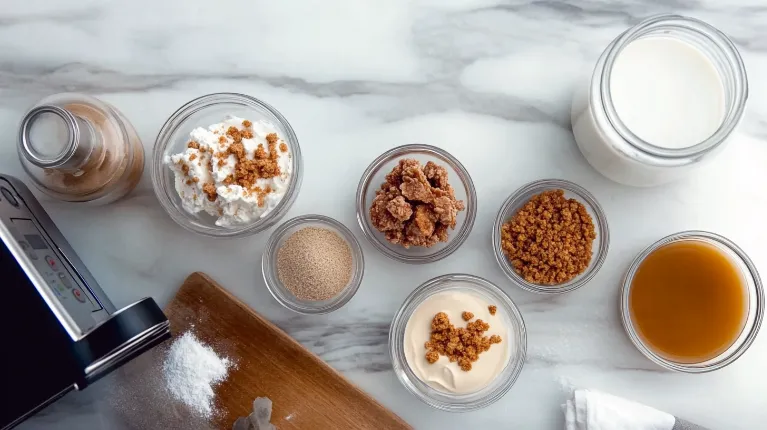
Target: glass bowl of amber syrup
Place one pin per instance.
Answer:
(692, 302)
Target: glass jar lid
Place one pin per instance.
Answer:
(50, 137)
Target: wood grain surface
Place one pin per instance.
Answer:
(305, 391)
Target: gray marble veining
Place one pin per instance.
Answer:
(488, 80)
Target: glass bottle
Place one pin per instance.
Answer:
(616, 151)
(77, 148)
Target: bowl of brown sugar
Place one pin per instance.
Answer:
(312, 264)
(416, 203)
(551, 236)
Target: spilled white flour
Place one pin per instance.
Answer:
(191, 370)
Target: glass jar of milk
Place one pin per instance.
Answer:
(664, 96)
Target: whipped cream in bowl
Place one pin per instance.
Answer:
(226, 165)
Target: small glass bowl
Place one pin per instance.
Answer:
(519, 198)
(459, 178)
(282, 294)
(202, 112)
(500, 385)
(755, 303)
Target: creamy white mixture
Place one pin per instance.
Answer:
(667, 92)
(234, 205)
(444, 375)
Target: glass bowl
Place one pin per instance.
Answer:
(458, 177)
(599, 247)
(755, 303)
(500, 385)
(282, 294)
(202, 112)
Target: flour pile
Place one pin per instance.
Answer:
(191, 370)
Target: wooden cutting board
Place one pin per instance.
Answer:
(305, 391)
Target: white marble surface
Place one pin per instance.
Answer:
(488, 80)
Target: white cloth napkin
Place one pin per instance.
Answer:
(592, 410)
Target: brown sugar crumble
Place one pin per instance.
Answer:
(467, 316)
(416, 205)
(247, 171)
(462, 345)
(549, 240)
(232, 148)
(492, 309)
(210, 190)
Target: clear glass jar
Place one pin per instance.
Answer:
(517, 344)
(282, 294)
(599, 247)
(459, 179)
(613, 149)
(201, 112)
(755, 297)
(77, 148)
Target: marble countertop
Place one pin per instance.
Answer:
(488, 80)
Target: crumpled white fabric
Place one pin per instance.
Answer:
(593, 410)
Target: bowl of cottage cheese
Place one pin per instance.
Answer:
(226, 165)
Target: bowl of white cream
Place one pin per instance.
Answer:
(226, 165)
(440, 380)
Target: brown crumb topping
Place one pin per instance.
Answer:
(549, 240)
(416, 205)
(493, 309)
(210, 190)
(462, 345)
(467, 316)
(247, 170)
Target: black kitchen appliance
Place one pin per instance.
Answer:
(61, 332)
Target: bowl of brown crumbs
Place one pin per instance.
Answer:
(312, 264)
(551, 236)
(416, 203)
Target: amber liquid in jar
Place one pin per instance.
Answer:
(688, 301)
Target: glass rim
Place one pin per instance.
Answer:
(283, 295)
(632, 333)
(447, 401)
(717, 39)
(456, 239)
(177, 119)
(603, 236)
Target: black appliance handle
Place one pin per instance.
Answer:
(127, 334)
